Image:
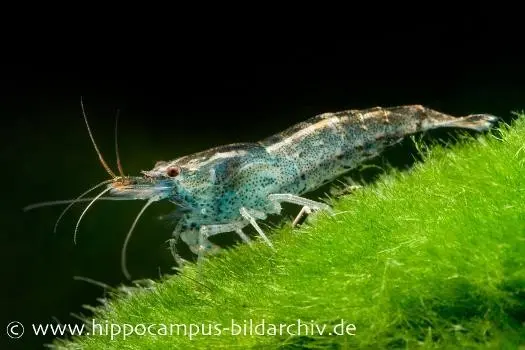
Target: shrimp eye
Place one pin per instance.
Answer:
(173, 171)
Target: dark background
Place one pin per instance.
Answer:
(180, 96)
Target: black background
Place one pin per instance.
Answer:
(182, 93)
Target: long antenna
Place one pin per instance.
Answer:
(123, 262)
(104, 164)
(85, 211)
(119, 164)
(79, 198)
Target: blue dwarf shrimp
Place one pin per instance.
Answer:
(231, 187)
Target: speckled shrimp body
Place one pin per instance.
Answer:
(227, 188)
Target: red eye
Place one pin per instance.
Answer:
(173, 171)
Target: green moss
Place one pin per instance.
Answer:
(434, 257)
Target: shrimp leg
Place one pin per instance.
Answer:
(173, 249)
(251, 215)
(198, 241)
(304, 211)
(308, 204)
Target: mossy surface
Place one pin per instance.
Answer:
(429, 258)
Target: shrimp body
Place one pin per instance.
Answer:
(226, 188)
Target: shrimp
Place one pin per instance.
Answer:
(231, 187)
